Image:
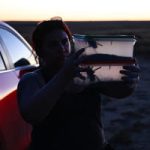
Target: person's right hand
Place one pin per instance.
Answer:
(71, 65)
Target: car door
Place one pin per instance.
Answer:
(16, 58)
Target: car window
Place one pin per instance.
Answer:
(2, 66)
(18, 51)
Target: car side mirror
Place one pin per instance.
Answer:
(22, 62)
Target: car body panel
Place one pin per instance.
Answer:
(15, 133)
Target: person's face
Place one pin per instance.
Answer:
(56, 47)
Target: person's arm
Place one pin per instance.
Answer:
(36, 103)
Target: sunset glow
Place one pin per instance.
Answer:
(72, 10)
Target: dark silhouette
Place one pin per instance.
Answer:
(65, 115)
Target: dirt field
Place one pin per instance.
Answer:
(126, 121)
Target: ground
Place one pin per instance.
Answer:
(126, 121)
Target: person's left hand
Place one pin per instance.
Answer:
(130, 75)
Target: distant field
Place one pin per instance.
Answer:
(141, 29)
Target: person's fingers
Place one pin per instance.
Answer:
(78, 53)
(85, 72)
(130, 80)
(129, 73)
(132, 68)
(81, 76)
(73, 57)
(78, 73)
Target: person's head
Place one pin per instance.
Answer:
(51, 41)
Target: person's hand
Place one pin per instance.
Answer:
(130, 75)
(72, 71)
(71, 64)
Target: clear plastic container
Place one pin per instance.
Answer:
(106, 55)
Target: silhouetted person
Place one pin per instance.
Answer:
(65, 116)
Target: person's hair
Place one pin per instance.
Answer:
(43, 29)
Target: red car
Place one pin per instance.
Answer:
(16, 58)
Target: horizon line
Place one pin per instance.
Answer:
(78, 20)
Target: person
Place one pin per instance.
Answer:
(65, 115)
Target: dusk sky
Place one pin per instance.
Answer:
(73, 10)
